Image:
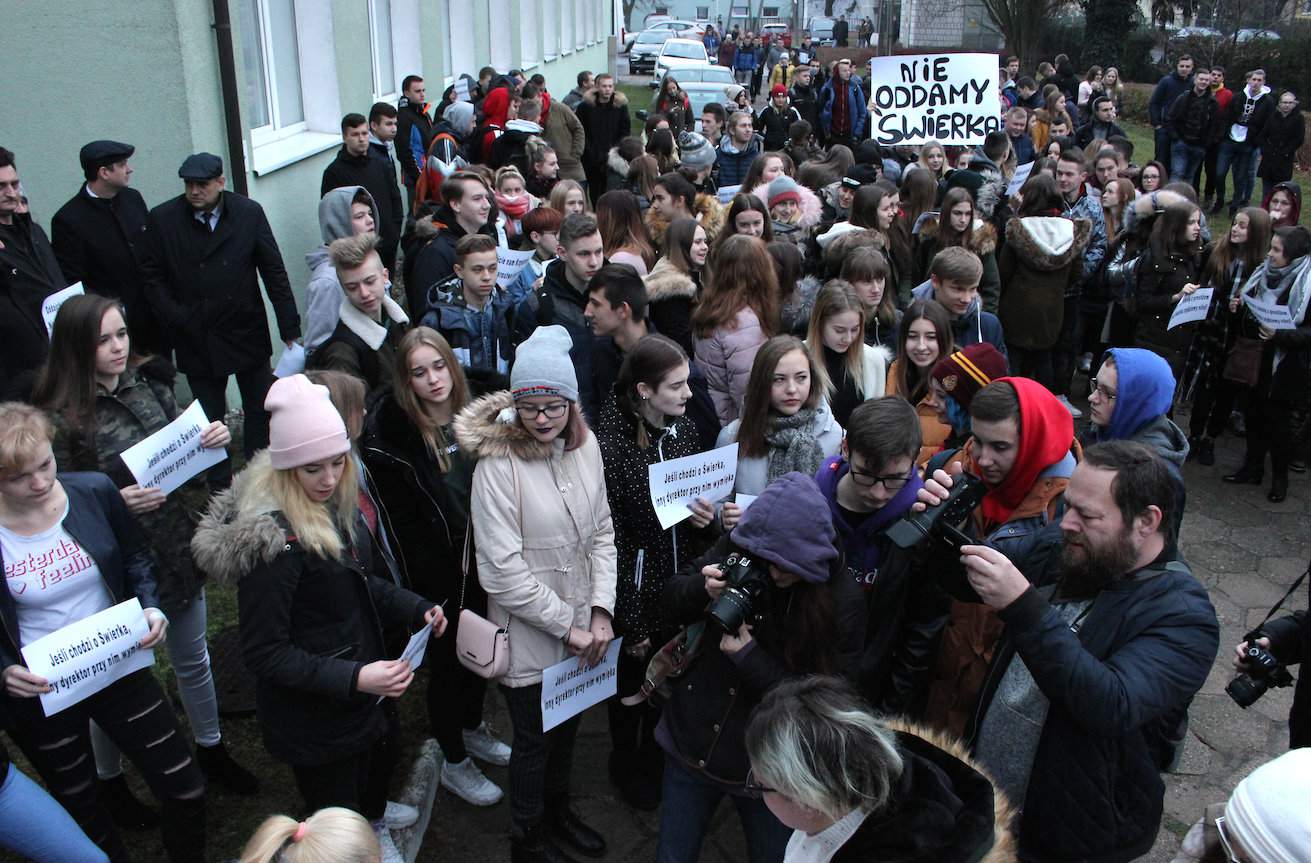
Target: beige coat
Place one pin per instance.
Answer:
(546, 550)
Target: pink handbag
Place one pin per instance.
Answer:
(480, 645)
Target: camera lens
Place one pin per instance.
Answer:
(730, 611)
(1246, 690)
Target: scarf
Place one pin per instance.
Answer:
(514, 208)
(792, 444)
(841, 121)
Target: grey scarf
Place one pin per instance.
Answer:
(793, 444)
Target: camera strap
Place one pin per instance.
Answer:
(1274, 608)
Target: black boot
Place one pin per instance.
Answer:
(566, 827)
(1244, 476)
(1278, 488)
(217, 764)
(533, 846)
(1206, 451)
(124, 808)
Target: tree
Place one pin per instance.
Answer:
(1107, 22)
(1023, 22)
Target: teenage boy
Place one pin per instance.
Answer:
(343, 212)
(469, 311)
(616, 312)
(371, 323)
(713, 119)
(413, 132)
(954, 277)
(541, 234)
(1190, 118)
(869, 487)
(467, 210)
(357, 165)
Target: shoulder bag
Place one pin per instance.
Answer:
(480, 645)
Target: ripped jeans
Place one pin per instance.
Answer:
(137, 716)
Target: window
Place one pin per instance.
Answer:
(529, 29)
(551, 29)
(580, 24)
(500, 48)
(271, 56)
(385, 80)
(567, 24)
(459, 24)
(769, 11)
(703, 13)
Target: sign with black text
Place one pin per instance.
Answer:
(84, 657)
(948, 98)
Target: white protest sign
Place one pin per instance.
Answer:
(744, 500)
(292, 361)
(462, 89)
(1019, 178)
(1269, 313)
(414, 651)
(679, 481)
(726, 194)
(172, 455)
(83, 658)
(948, 98)
(509, 263)
(1191, 308)
(50, 305)
(568, 690)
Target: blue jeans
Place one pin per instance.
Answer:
(689, 803)
(36, 827)
(1185, 159)
(1161, 138)
(1243, 159)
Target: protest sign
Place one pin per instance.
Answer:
(509, 263)
(1191, 308)
(50, 305)
(744, 500)
(679, 481)
(172, 455)
(83, 658)
(1269, 313)
(462, 89)
(568, 690)
(1021, 175)
(948, 98)
(292, 361)
(726, 194)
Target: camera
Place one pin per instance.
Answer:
(1263, 672)
(747, 580)
(942, 521)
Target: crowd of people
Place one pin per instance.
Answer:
(885, 335)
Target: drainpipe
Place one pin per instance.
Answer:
(231, 101)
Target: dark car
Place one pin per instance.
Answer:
(642, 56)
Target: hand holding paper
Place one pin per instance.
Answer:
(215, 436)
(21, 683)
(388, 678)
(437, 620)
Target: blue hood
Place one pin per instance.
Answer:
(1146, 390)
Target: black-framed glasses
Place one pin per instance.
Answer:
(754, 787)
(1230, 856)
(1106, 394)
(868, 480)
(552, 411)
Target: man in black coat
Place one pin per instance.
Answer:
(29, 273)
(413, 132)
(604, 115)
(205, 249)
(840, 30)
(99, 237)
(357, 165)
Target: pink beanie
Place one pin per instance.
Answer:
(305, 427)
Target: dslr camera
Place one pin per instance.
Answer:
(747, 579)
(1263, 672)
(942, 522)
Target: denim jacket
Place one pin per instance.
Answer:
(480, 339)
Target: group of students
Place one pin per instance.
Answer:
(854, 322)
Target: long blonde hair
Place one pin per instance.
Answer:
(331, 835)
(319, 527)
(835, 298)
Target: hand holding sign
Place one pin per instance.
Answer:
(677, 483)
(78, 660)
(1269, 313)
(175, 453)
(1193, 307)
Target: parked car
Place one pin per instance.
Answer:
(685, 29)
(821, 30)
(703, 85)
(678, 53)
(777, 30)
(1250, 34)
(645, 50)
(1185, 34)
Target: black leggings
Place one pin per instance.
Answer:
(632, 729)
(1269, 430)
(357, 782)
(455, 696)
(1212, 405)
(137, 716)
(541, 760)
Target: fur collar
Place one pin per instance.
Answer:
(241, 528)
(665, 281)
(1048, 242)
(371, 332)
(426, 228)
(617, 163)
(620, 100)
(984, 237)
(706, 209)
(489, 428)
(811, 208)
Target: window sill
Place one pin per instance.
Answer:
(550, 58)
(269, 157)
(526, 67)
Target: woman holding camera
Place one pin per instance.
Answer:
(781, 607)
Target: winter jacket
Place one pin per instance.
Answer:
(604, 124)
(557, 301)
(745, 59)
(773, 124)
(805, 100)
(1041, 258)
(670, 294)
(677, 109)
(971, 328)
(734, 163)
(413, 134)
(29, 272)
(726, 355)
(379, 177)
(647, 555)
(1167, 90)
(704, 722)
(1085, 134)
(509, 146)
(706, 209)
(363, 347)
(564, 132)
(574, 98)
(449, 314)
(983, 242)
(308, 624)
(545, 539)
(1159, 277)
(1281, 138)
(727, 51)
(1090, 207)
(435, 261)
(753, 471)
(1286, 358)
(323, 294)
(141, 405)
(1290, 642)
(99, 521)
(857, 112)
(1190, 118)
(205, 286)
(1246, 111)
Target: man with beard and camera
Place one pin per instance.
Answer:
(767, 603)
(1101, 655)
(1261, 658)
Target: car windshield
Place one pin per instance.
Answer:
(685, 52)
(709, 75)
(654, 37)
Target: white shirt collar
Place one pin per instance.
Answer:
(820, 847)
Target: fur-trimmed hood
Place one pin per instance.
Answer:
(240, 529)
(1048, 242)
(489, 428)
(617, 163)
(706, 210)
(984, 234)
(425, 228)
(620, 100)
(665, 281)
(811, 208)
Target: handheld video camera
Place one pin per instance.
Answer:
(942, 522)
(747, 580)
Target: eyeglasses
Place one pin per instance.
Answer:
(869, 480)
(1098, 388)
(1230, 856)
(754, 787)
(552, 411)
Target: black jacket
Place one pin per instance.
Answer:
(603, 123)
(707, 714)
(805, 101)
(29, 272)
(435, 261)
(1083, 136)
(558, 302)
(774, 124)
(99, 242)
(1263, 108)
(413, 130)
(1281, 138)
(376, 174)
(204, 285)
(1290, 641)
(1191, 116)
(345, 351)
(100, 522)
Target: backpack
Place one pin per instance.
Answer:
(429, 187)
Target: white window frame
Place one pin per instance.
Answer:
(568, 24)
(500, 40)
(406, 44)
(274, 130)
(551, 29)
(530, 12)
(383, 89)
(580, 25)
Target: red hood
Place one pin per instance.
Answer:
(1046, 434)
(496, 106)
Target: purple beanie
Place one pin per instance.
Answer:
(790, 526)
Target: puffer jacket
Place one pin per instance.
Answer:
(983, 242)
(546, 542)
(753, 471)
(308, 624)
(670, 294)
(1041, 259)
(726, 355)
(1159, 277)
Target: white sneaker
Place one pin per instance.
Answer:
(398, 816)
(1074, 412)
(484, 745)
(389, 852)
(468, 783)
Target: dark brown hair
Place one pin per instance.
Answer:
(650, 360)
(743, 277)
(756, 403)
(912, 384)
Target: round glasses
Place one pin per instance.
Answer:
(552, 411)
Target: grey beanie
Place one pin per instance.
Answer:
(460, 116)
(695, 151)
(542, 366)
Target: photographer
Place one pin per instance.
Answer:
(801, 617)
(1289, 639)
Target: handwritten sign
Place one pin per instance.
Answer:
(50, 305)
(726, 194)
(1019, 178)
(948, 98)
(83, 658)
(1269, 313)
(173, 455)
(568, 690)
(679, 481)
(462, 89)
(509, 263)
(1192, 308)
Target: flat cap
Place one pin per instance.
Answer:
(100, 153)
(201, 166)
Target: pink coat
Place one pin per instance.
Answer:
(725, 357)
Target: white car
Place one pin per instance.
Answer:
(677, 53)
(1248, 34)
(689, 29)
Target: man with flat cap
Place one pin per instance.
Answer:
(206, 248)
(99, 237)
